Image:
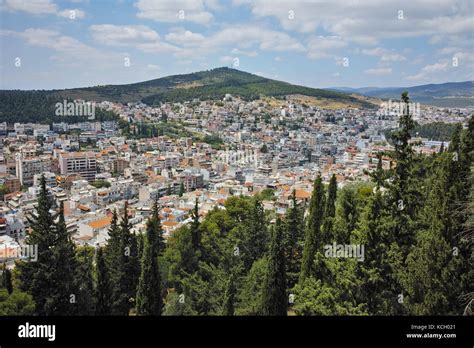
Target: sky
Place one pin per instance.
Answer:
(53, 44)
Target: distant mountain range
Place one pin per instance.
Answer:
(444, 94)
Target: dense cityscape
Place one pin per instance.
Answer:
(181, 163)
(174, 169)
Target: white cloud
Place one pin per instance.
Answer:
(429, 70)
(324, 46)
(69, 50)
(237, 51)
(185, 38)
(367, 22)
(384, 54)
(240, 38)
(42, 7)
(379, 71)
(172, 12)
(122, 35)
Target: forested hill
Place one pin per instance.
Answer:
(36, 106)
(211, 84)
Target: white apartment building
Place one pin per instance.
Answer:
(27, 168)
(82, 163)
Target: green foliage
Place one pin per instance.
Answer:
(103, 289)
(275, 300)
(16, 303)
(51, 279)
(435, 131)
(214, 140)
(149, 301)
(315, 219)
(85, 280)
(39, 107)
(100, 184)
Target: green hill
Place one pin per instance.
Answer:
(211, 84)
(38, 106)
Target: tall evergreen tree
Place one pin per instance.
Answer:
(149, 301)
(131, 270)
(230, 295)
(330, 212)
(404, 186)
(85, 280)
(315, 219)
(103, 290)
(196, 234)
(293, 240)
(255, 234)
(37, 277)
(275, 300)
(65, 296)
(115, 262)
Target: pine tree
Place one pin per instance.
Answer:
(181, 189)
(275, 300)
(103, 290)
(149, 301)
(315, 218)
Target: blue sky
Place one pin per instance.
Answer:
(47, 44)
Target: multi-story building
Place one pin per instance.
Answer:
(191, 180)
(82, 163)
(27, 168)
(11, 182)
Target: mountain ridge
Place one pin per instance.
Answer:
(441, 94)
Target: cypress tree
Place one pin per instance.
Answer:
(315, 217)
(149, 301)
(230, 295)
(256, 234)
(65, 296)
(115, 262)
(196, 235)
(293, 241)
(404, 187)
(330, 211)
(85, 280)
(275, 301)
(103, 291)
(131, 265)
(37, 277)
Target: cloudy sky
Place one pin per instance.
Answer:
(46, 44)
